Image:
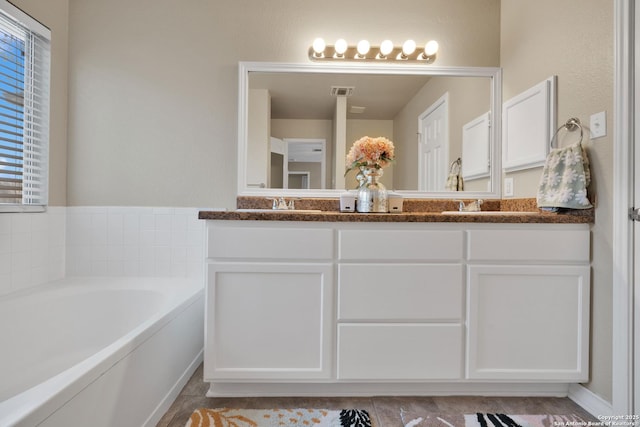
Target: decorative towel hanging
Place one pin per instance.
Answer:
(566, 175)
(454, 180)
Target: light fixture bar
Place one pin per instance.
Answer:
(322, 52)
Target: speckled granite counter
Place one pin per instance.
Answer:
(415, 210)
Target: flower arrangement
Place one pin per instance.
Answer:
(370, 152)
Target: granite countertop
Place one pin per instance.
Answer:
(414, 210)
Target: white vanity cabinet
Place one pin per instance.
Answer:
(269, 296)
(528, 303)
(382, 308)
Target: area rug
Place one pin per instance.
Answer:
(496, 420)
(225, 417)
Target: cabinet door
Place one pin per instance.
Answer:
(268, 321)
(528, 323)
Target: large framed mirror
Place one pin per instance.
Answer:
(296, 122)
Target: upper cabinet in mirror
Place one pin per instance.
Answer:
(298, 121)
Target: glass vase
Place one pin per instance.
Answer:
(372, 195)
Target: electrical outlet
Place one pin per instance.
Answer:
(598, 125)
(508, 187)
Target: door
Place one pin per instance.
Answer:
(433, 151)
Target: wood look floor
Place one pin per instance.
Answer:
(385, 411)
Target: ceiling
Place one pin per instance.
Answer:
(308, 95)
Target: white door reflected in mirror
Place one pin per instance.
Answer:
(434, 145)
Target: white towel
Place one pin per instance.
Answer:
(565, 179)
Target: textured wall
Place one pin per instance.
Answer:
(153, 83)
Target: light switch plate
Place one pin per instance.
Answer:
(598, 125)
(508, 187)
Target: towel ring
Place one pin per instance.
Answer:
(571, 125)
(457, 163)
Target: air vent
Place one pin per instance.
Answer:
(355, 109)
(342, 90)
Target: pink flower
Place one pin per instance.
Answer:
(371, 152)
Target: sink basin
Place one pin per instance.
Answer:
(281, 210)
(489, 213)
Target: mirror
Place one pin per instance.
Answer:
(297, 122)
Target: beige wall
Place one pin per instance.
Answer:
(572, 39)
(578, 50)
(153, 83)
(55, 15)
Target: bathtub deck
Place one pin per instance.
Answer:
(384, 410)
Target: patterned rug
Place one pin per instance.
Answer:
(496, 420)
(225, 417)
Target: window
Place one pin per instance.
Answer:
(25, 62)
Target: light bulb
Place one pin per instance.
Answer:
(408, 47)
(431, 48)
(318, 46)
(363, 48)
(340, 47)
(386, 47)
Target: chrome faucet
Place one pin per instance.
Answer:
(471, 207)
(280, 203)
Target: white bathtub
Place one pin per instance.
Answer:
(98, 351)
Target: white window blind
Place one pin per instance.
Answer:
(25, 62)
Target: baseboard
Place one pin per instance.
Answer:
(171, 396)
(589, 401)
(241, 389)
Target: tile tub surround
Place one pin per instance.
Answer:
(134, 241)
(36, 248)
(414, 210)
(32, 248)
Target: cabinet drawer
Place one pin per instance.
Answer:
(399, 352)
(227, 242)
(408, 245)
(540, 245)
(400, 292)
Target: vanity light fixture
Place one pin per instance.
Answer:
(363, 51)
